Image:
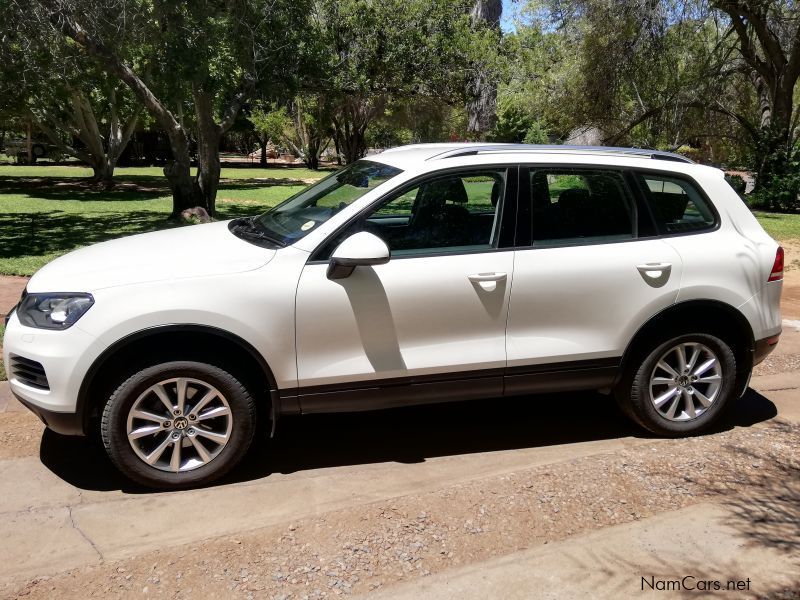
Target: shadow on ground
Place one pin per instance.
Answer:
(127, 188)
(43, 233)
(407, 435)
(57, 232)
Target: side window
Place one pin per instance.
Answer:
(676, 204)
(578, 206)
(452, 213)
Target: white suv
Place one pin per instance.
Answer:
(427, 273)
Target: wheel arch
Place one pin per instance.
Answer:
(697, 316)
(169, 342)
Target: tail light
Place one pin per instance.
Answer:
(777, 267)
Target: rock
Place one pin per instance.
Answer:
(195, 215)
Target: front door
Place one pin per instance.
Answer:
(431, 323)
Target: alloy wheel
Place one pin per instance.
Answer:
(179, 424)
(685, 381)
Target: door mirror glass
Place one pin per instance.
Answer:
(360, 249)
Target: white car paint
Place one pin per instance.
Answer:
(413, 315)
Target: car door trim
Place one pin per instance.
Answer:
(393, 392)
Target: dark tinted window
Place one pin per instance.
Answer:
(676, 204)
(578, 206)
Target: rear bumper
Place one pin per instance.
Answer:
(63, 423)
(763, 347)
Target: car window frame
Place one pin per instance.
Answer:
(638, 175)
(525, 219)
(631, 175)
(508, 205)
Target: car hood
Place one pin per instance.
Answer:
(172, 254)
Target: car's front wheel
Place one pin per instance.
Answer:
(178, 424)
(681, 386)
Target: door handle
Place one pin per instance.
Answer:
(483, 277)
(658, 267)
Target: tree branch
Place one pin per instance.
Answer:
(59, 143)
(64, 23)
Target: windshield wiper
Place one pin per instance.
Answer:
(246, 227)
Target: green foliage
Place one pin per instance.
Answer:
(737, 182)
(536, 134)
(274, 123)
(513, 124)
(689, 152)
(372, 53)
(778, 185)
(385, 134)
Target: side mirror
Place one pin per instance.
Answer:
(360, 249)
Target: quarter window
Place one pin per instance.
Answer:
(676, 204)
(580, 206)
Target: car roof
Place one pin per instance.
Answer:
(405, 157)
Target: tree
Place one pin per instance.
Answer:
(312, 118)
(768, 35)
(373, 52)
(482, 89)
(668, 72)
(46, 80)
(271, 124)
(206, 56)
(305, 129)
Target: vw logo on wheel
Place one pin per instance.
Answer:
(181, 423)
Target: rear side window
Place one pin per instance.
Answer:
(580, 206)
(677, 205)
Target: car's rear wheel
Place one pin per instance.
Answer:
(178, 424)
(681, 386)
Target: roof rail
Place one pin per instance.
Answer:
(473, 149)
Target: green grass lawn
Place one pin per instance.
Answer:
(48, 211)
(61, 171)
(780, 226)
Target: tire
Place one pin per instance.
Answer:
(672, 402)
(219, 414)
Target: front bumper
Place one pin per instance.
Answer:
(65, 357)
(63, 423)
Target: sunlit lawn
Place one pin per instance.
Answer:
(47, 211)
(780, 226)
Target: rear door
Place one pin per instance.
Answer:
(588, 272)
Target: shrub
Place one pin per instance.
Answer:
(737, 182)
(537, 134)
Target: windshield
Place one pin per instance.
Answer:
(302, 213)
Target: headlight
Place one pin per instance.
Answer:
(53, 311)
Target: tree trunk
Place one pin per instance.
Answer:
(263, 143)
(104, 173)
(208, 139)
(312, 161)
(178, 172)
(482, 91)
